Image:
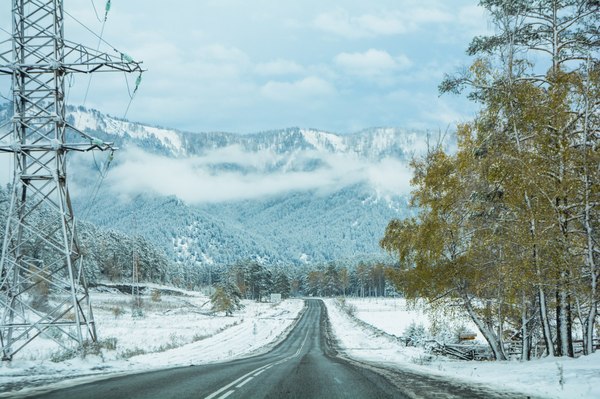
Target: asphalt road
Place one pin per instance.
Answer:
(304, 365)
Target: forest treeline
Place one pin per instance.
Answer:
(509, 223)
(112, 256)
(252, 280)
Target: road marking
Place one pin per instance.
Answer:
(226, 387)
(259, 373)
(244, 383)
(301, 346)
(227, 394)
(253, 374)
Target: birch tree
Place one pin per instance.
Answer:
(524, 216)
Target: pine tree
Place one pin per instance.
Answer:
(282, 285)
(258, 279)
(226, 298)
(331, 280)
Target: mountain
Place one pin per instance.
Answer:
(373, 144)
(284, 197)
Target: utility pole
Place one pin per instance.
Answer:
(43, 288)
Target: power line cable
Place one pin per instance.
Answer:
(95, 11)
(93, 33)
(138, 81)
(107, 9)
(104, 170)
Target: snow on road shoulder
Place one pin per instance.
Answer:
(548, 377)
(366, 344)
(258, 328)
(173, 332)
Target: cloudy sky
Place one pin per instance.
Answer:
(247, 66)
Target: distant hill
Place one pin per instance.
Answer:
(287, 197)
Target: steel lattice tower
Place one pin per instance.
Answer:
(43, 288)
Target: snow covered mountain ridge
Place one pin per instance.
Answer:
(292, 196)
(373, 143)
(217, 167)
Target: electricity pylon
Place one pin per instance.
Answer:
(43, 289)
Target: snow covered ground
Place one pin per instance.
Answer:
(549, 377)
(177, 330)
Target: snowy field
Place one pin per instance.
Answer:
(176, 330)
(550, 377)
(179, 330)
(395, 316)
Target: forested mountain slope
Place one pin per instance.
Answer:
(291, 196)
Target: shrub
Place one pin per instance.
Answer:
(351, 309)
(117, 311)
(156, 295)
(62, 355)
(199, 337)
(127, 353)
(137, 306)
(415, 335)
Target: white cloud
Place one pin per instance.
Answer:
(310, 87)
(214, 62)
(410, 19)
(372, 62)
(230, 65)
(446, 111)
(279, 67)
(381, 25)
(474, 19)
(431, 14)
(390, 176)
(195, 180)
(218, 54)
(341, 23)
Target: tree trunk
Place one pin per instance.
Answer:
(588, 325)
(545, 323)
(487, 332)
(547, 332)
(562, 338)
(525, 344)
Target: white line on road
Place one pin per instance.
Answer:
(259, 373)
(254, 373)
(301, 346)
(214, 394)
(227, 394)
(244, 383)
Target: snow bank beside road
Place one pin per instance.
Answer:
(259, 327)
(173, 332)
(549, 377)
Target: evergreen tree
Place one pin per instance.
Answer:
(258, 279)
(282, 285)
(331, 280)
(226, 298)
